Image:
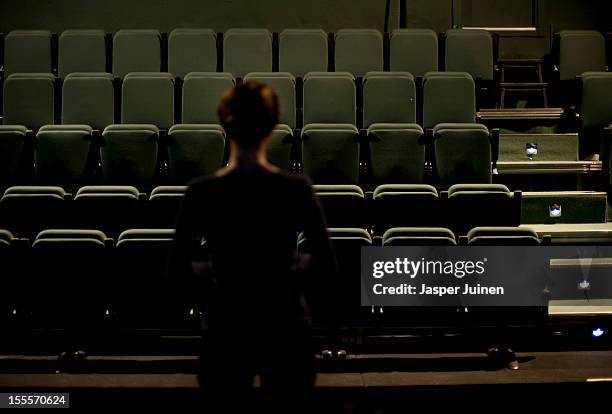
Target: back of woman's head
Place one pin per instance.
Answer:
(249, 112)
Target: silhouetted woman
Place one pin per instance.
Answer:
(248, 216)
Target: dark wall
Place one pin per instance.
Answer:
(552, 15)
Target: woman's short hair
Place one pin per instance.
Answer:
(249, 112)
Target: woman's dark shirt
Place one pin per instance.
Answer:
(250, 219)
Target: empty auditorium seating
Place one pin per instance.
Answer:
(502, 236)
(448, 97)
(27, 51)
(470, 51)
(89, 99)
(467, 206)
(194, 150)
(129, 154)
(281, 150)
(27, 210)
(330, 153)
(164, 206)
(136, 50)
(192, 50)
(580, 51)
(283, 84)
(343, 205)
(29, 100)
(406, 205)
(418, 236)
(329, 98)
(302, 50)
(62, 155)
(358, 51)
(414, 51)
(81, 51)
(595, 105)
(110, 209)
(389, 97)
(15, 155)
(397, 154)
(202, 92)
(462, 154)
(247, 50)
(148, 98)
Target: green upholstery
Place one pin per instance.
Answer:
(13, 149)
(164, 190)
(397, 153)
(194, 150)
(283, 84)
(414, 51)
(27, 51)
(81, 51)
(148, 98)
(129, 153)
(164, 205)
(62, 153)
(88, 98)
(139, 235)
(202, 92)
(34, 190)
(136, 50)
(471, 189)
(418, 236)
(575, 206)
(5, 238)
(280, 147)
(448, 97)
(551, 147)
(359, 51)
(403, 205)
(247, 50)
(389, 97)
(596, 99)
(470, 51)
(329, 97)
(71, 234)
(330, 153)
(124, 190)
(350, 234)
(462, 153)
(192, 50)
(29, 99)
(343, 205)
(302, 51)
(503, 236)
(581, 51)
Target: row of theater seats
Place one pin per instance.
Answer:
(25, 211)
(33, 100)
(240, 51)
(69, 278)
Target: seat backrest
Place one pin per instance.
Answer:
(581, 51)
(389, 97)
(470, 51)
(414, 51)
(448, 97)
(283, 84)
(29, 99)
(247, 50)
(192, 50)
(27, 51)
(418, 236)
(194, 151)
(148, 98)
(462, 154)
(62, 154)
(359, 51)
(302, 50)
(202, 92)
(330, 153)
(280, 149)
(329, 98)
(88, 98)
(503, 236)
(405, 205)
(397, 153)
(81, 51)
(136, 50)
(13, 154)
(596, 101)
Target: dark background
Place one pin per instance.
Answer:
(549, 16)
